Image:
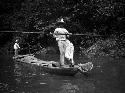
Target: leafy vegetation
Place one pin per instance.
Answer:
(102, 17)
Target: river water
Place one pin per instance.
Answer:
(107, 76)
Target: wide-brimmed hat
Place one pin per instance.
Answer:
(16, 41)
(60, 22)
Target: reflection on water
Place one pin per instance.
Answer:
(68, 87)
(54, 84)
(19, 78)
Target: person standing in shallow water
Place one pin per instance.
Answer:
(66, 48)
(16, 47)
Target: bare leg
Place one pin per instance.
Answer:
(72, 60)
(16, 52)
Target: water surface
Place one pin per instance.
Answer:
(107, 76)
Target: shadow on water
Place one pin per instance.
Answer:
(6, 74)
(106, 77)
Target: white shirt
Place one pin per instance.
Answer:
(16, 46)
(60, 31)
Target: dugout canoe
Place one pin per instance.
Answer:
(65, 71)
(51, 67)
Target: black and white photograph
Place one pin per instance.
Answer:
(62, 46)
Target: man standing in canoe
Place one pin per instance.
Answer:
(16, 47)
(66, 48)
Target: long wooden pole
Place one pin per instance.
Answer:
(51, 33)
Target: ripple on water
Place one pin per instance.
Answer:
(28, 80)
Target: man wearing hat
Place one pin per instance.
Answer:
(16, 47)
(66, 48)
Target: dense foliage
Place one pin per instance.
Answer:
(86, 15)
(104, 17)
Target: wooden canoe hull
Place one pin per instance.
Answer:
(46, 66)
(68, 71)
(53, 67)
